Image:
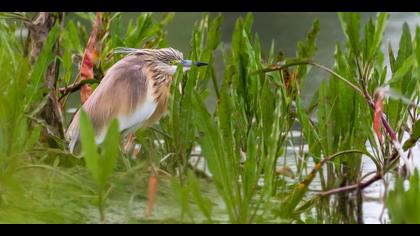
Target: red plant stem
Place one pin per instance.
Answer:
(151, 195)
(370, 102)
(377, 119)
(363, 92)
(386, 125)
(385, 122)
(378, 175)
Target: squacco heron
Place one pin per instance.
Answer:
(134, 90)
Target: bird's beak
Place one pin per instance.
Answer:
(189, 63)
(201, 63)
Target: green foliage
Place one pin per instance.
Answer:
(307, 48)
(30, 190)
(350, 22)
(403, 80)
(244, 142)
(13, 124)
(404, 201)
(179, 124)
(101, 166)
(13, 84)
(415, 136)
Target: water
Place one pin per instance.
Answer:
(372, 195)
(286, 29)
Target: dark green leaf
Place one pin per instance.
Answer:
(415, 136)
(89, 148)
(108, 159)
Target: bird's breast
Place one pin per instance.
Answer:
(149, 111)
(143, 111)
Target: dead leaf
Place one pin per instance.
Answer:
(90, 56)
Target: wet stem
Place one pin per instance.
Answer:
(101, 206)
(102, 195)
(364, 93)
(378, 175)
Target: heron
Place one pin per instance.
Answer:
(135, 91)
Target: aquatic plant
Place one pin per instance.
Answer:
(227, 161)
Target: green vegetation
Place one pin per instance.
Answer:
(363, 110)
(404, 203)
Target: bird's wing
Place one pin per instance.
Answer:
(123, 94)
(141, 97)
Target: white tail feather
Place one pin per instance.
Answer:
(73, 132)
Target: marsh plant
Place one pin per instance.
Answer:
(229, 162)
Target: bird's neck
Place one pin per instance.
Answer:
(161, 86)
(161, 92)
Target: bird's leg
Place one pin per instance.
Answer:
(136, 151)
(129, 144)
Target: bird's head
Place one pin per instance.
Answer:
(164, 59)
(168, 59)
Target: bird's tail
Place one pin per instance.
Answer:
(73, 133)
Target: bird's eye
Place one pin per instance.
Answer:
(173, 62)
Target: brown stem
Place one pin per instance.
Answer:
(357, 89)
(360, 186)
(52, 111)
(363, 92)
(370, 102)
(39, 30)
(76, 86)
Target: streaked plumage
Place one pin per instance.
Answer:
(135, 90)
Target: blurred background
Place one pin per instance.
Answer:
(285, 29)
